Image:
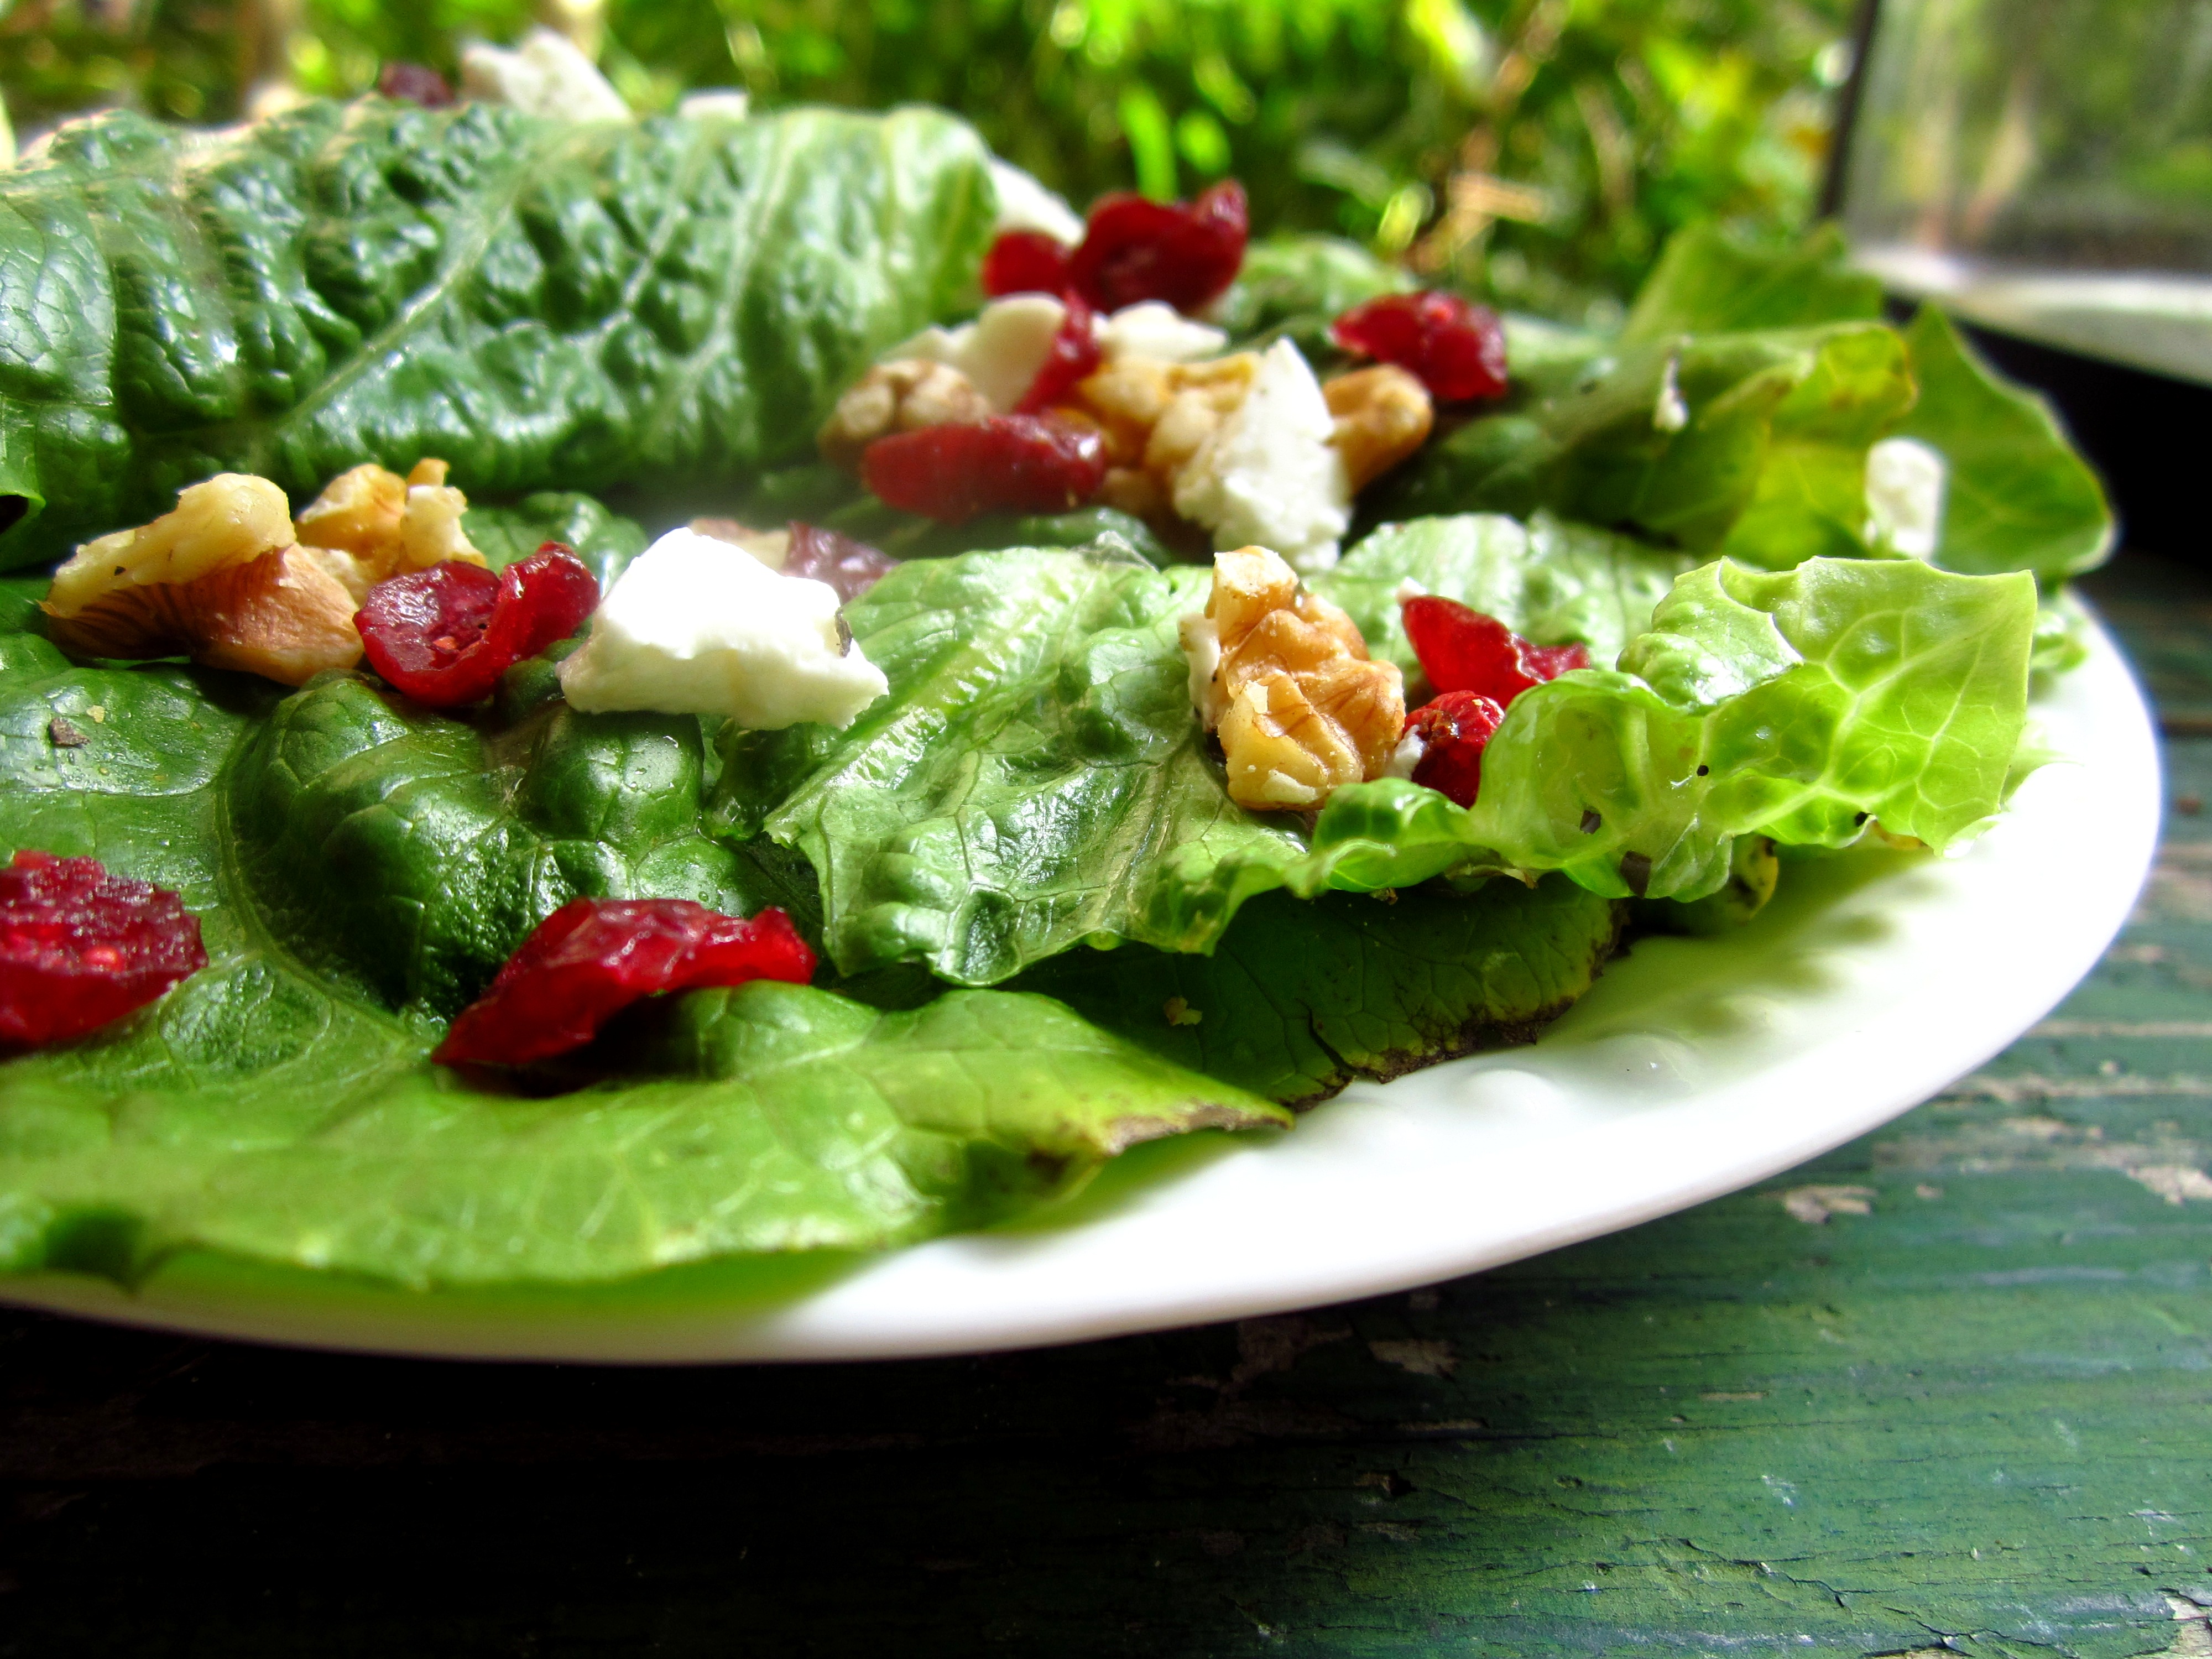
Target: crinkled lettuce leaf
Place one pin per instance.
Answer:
(546, 304)
(1734, 413)
(1300, 998)
(1298, 285)
(607, 542)
(359, 866)
(1549, 581)
(1030, 781)
(1750, 445)
(1797, 706)
(2019, 495)
(1711, 280)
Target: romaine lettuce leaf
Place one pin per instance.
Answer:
(276, 1107)
(1552, 582)
(1301, 997)
(1033, 772)
(1797, 706)
(607, 542)
(1298, 285)
(1709, 280)
(545, 304)
(1753, 444)
(2018, 496)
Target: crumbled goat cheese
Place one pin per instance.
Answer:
(1670, 413)
(715, 103)
(696, 626)
(546, 75)
(1406, 756)
(1201, 645)
(1905, 485)
(1000, 352)
(1269, 474)
(1025, 205)
(1154, 329)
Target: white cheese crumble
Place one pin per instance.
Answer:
(1154, 329)
(1406, 756)
(1905, 485)
(696, 626)
(1026, 204)
(1000, 352)
(1201, 645)
(715, 103)
(546, 75)
(1670, 413)
(1269, 474)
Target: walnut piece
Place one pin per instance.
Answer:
(1283, 677)
(369, 524)
(220, 580)
(1383, 416)
(903, 396)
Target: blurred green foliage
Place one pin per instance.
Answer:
(1538, 151)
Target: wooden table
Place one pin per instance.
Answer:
(1945, 1390)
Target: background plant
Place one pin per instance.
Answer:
(1536, 150)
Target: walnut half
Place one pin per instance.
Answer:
(220, 580)
(1283, 677)
(905, 396)
(1383, 416)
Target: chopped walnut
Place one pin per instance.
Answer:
(1283, 677)
(905, 396)
(1383, 416)
(369, 524)
(220, 580)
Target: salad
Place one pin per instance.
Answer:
(579, 694)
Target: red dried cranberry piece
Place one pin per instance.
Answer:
(1025, 261)
(415, 83)
(824, 556)
(1184, 253)
(593, 957)
(79, 947)
(1456, 728)
(1456, 349)
(1462, 650)
(1073, 358)
(1004, 464)
(444, 635)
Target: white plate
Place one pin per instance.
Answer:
(1696, 1067)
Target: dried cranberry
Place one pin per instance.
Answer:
(79, 947)
(1454, 729)
(593, 957)
(1004, 464)
(1456, 349)
(1025, 261)
(1184, 253)
(824, 556)
(1073, 358)
(444, 635)
(1462, 650)
(415, 83)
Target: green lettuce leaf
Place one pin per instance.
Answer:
(1033, 776)
(1709, 280)
(1301, 997)
(546, 304)
(1552, 582)
(2018, 496)
(607, 542)
(279, 1106)
(1796, 706)
(1750, 445)
(1297, 286)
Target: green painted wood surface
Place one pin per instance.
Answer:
(1946, 1389)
